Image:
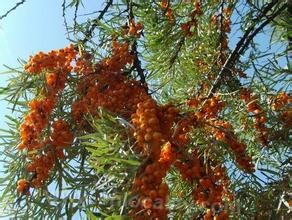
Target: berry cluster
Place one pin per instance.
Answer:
(107, 87)
(281, 104)
(135, 29)
(161, 134)
(57, 60)
(165, 5)
(43, 152)
(22, 186)
(222, 22)
(186, 27)
(35, 122)
(222, 131)
(281, 100)
(210, 178)
(149, 139)
(258, 114)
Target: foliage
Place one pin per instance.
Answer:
(158, 109)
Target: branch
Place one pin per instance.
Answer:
(243, 44)
(137, 63)
(12, 9)
(269, 19)
(134, 51)
(89, 33)
(221, 27)
(289, 29)
(75, 16)
(64, 18)
(177, 51)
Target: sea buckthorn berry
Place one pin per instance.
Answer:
(147, 203)
(22, 186)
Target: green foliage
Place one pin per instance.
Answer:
(95, 178)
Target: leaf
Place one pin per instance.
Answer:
(90, 215)
(130, 162)
(269, 171)
(117, 217)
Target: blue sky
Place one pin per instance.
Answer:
(35, 25)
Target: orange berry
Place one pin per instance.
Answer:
(148, 137)
(153, 194)
(147, 203)
(149, 169)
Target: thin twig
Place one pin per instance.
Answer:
(12, 9)
(177, 51)
(134, 51)
(89, 33)
(137, 63)
(221, 27)
(270, 18)
(75, 16)
(64, 18)
(243, 44)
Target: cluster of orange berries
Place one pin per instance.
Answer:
(41, 165)
(165, 5)
(190, 169)
(222, 22)
(170, 139)
(281, 103)
(210, 215)
(135, 29)
(281, 100)
(186, 27)
(42, 152)
(35, 122)
(225, 20)
(154, 134)
(148, 131)
(53, 60)
(210, 190)
(151, 191)
(222, 132)
(181, 132)
(107, 87)
(149, 139)
(84, 64)
(23, 185)
(211, 181)
(206, 109)
(259, 116)
(160, 132)
(169, 116)
(61, 136)
(56, 64)
(52, 147)
(211, 108)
